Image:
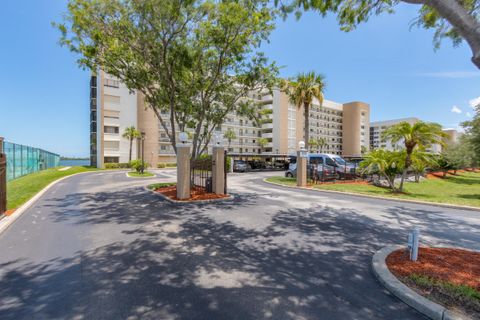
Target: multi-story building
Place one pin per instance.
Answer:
(378, 142)
(343, 129)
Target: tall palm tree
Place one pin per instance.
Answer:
(322, 142)
(313, 144)
(302, 90)
(230, 135)
(420, 134)
(131, 133)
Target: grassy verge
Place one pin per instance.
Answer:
(449, 294)
(156, 186)
(135, 174)
(24, 188)
(462, 189)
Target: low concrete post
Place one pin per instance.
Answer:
(301, 169)
(183, 171)
(218, 170)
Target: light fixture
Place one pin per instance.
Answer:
(218, 138)
(301, 145)
(183, 137)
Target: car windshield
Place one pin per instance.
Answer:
(339, 161)
(240, 162)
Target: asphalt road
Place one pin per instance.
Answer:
(98, 246)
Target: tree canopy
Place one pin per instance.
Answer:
(194, 61)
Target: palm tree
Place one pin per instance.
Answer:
(322, 142)
(313, 144)
(421, 134)
(230, 135)
(385, 163)
(131, 133)
(262, 142)
(302, 90)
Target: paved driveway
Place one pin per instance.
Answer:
(98, 246)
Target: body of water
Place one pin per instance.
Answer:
(73, 163)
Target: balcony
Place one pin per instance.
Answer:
(267, 126)
(267, 135)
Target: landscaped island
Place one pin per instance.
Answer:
(460, 189)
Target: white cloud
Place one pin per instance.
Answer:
(456, 109)
(474, 102)
(469, 114)
(450, 74)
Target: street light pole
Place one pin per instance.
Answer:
(143, 152)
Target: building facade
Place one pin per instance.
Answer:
(377, 142)
(342, 129)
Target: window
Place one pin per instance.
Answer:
(112, 83)
(111, 160)
(110, 129)
(112, 145)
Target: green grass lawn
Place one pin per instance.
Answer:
(135, 174)
(22, 189)
(156, 186)
(463, 189)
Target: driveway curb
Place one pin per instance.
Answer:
(229, 198)
(435, 204)
(7, 221)
(423, 305)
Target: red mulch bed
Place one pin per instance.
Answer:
(457, 266)
(196, 194)
(9, 212)
(361, 182)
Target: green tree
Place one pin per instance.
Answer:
(262, 142)
(322, 143)
(131, 133)
(230, 135)
(472, 136)
(302, 90)
(421, 134)
(388, 164)
(193, 61)
(421, 160)
(313, 144)
(451, 19)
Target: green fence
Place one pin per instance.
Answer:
(22, 160)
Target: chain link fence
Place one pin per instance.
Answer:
(22, 160)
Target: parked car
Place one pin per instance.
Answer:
(239, 166)
(322, 172)
(333, 165)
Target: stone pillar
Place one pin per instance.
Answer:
(218, 170)
(301, 169)
(183, 171)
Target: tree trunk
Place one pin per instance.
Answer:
(130, 151)
(307, 123)
(465, 24)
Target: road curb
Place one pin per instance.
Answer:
(9, 220)
(229, 198)
(150, 177)
(435, 204)
(423, 305)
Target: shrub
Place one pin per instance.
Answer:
(161, 165)
(112, 165)
(138, 165)
(171, 164)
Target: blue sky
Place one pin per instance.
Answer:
(44, 95)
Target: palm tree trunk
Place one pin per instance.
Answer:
(307, 124)
(408, 162)
(130, 151)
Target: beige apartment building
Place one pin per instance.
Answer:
(343, 128)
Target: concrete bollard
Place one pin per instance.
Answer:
(301, 169)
